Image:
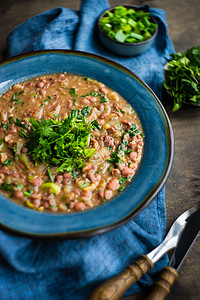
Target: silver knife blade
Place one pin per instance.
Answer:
(186, 240)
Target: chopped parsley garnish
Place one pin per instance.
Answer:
(22, 133)
(103, 99)
(5, 126)
(15, 95)
(10, 119)
(85, 111)
(96, 125)
(50, 175)
(121, 188)
(122, 180)
(20, 124)
(62, 143)
(7, 162)
(73, 94)
(7, 187)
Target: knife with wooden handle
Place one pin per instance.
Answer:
(115, 287)
(162, 286)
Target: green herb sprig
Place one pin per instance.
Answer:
(182, 77)
(65, 143)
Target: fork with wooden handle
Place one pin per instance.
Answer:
(115, 287)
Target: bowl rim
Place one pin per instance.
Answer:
(154, 191)
(124, 43)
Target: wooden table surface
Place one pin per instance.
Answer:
(183, 184)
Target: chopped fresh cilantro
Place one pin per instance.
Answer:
(5, 126)
(7, 187)
(50, 175)
(103, 99)
(7, 162)
(10, 119)
(73, 93)
(64, 143)
(20, 186)
(20, 124)
(96, 125)
(22, 133)
(122, 180)
(121, 188)
(85, 111)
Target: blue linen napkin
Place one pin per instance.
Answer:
(71, 269)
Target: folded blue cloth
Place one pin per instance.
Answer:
(71, 269)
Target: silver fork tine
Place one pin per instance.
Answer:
(173, 235)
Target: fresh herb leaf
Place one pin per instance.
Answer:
(22, 133)
(73, 93)
(182, 77)
(84, 184)
(7, 162)
(28, 193)
(96, 125)
(103, 99)
(20, 124)
(121, 188)
(7, 187)
(10, 119)
(85, 111)
(64, 144)
(122, 180)
(50, 175)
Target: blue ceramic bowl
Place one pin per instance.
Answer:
(154, 167)
(126, 49)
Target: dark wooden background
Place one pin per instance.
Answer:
(183, 184)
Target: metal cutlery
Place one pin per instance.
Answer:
(185, 229)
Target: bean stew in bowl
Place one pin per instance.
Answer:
(84, 144)
(68, 143)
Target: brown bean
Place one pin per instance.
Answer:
(67, 175)
(87, 194)
(77, 191)
(85, 101)
(71, 204)
(101, 122)
(79, 206)
(101, 195)
(103, 90)
(100, 107)
(36, 202)
(113, 184)
(18, 194)
(132, 155)
(127, 171)
(116, 172)
(66, 181)
(108, 194)
(8, 139)
(35, 196)
(40, 84)
(103, 115)
(37, 181)
(59, 179)
(6, 171)
(17, 86)
(43, 92)
(94, 177)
